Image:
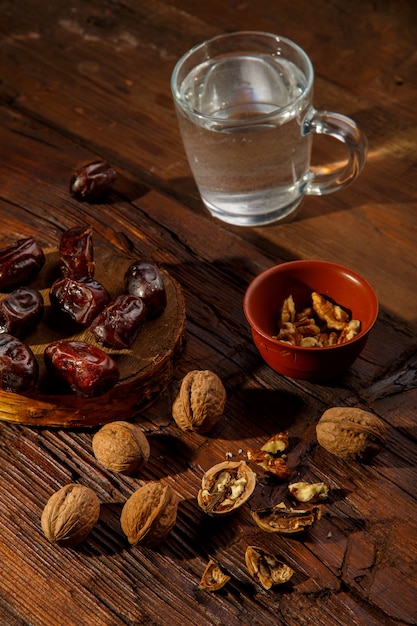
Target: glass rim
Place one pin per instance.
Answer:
(176, 84)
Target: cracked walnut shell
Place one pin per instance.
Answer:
(265, 568)
(70, 514)
(286, 520)
(121, 447)
(351, 433)
(225, 487)
(149, 515)
(200, 402)
(213, 577)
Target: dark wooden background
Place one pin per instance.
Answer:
(90, 79)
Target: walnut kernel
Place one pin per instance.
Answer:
(277, 444)
(321, 325)
(271, 456)
(121, 447)
(271, 465)
(200, 402)
(308, 492)
(70, 514)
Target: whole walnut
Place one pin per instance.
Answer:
(70, 514)
(121, 447)
(351, 433)
(200, 402)
(149, 514)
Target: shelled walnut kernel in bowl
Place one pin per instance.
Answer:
(262, 305)
(323, 324)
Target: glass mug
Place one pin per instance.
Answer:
(244, 105)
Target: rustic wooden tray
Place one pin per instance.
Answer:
(145, 369)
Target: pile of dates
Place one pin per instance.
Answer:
(83, 368)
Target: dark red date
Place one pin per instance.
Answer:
(82, 367)
(119, 323)
(20, 262)
(21, 311)
(81, 299)
(19, 369)
(76, 253)
(92, 181)
(145, 281)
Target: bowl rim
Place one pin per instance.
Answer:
(300, 262)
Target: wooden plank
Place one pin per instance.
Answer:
(92, 80)
(154, 208)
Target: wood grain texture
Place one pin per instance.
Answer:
(91, 79)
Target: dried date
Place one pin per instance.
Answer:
(20, 262)
(81, 299)
(144, 280)
(92, 181)
(19, 369)
(76, 253)
(118, 325)
(21, 311)
(82, 367)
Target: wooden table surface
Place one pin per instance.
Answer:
(89, 80)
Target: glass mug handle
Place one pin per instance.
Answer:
(345, 130)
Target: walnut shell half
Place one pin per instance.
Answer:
(225, 487)
(286, 520)
(200, 402)
(149, 514)
(70, 514)
(351, 433)
(265, 568)
(121, 447)
(213, 577)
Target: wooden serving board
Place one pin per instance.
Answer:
(145, 369)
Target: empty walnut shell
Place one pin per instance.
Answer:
(200, 402)
(149, 514)
(70, 514)
(286, 520)
(265, 568)
(225, 487)
(351, 433)
(121, 447)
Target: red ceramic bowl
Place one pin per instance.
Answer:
(263, 300)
